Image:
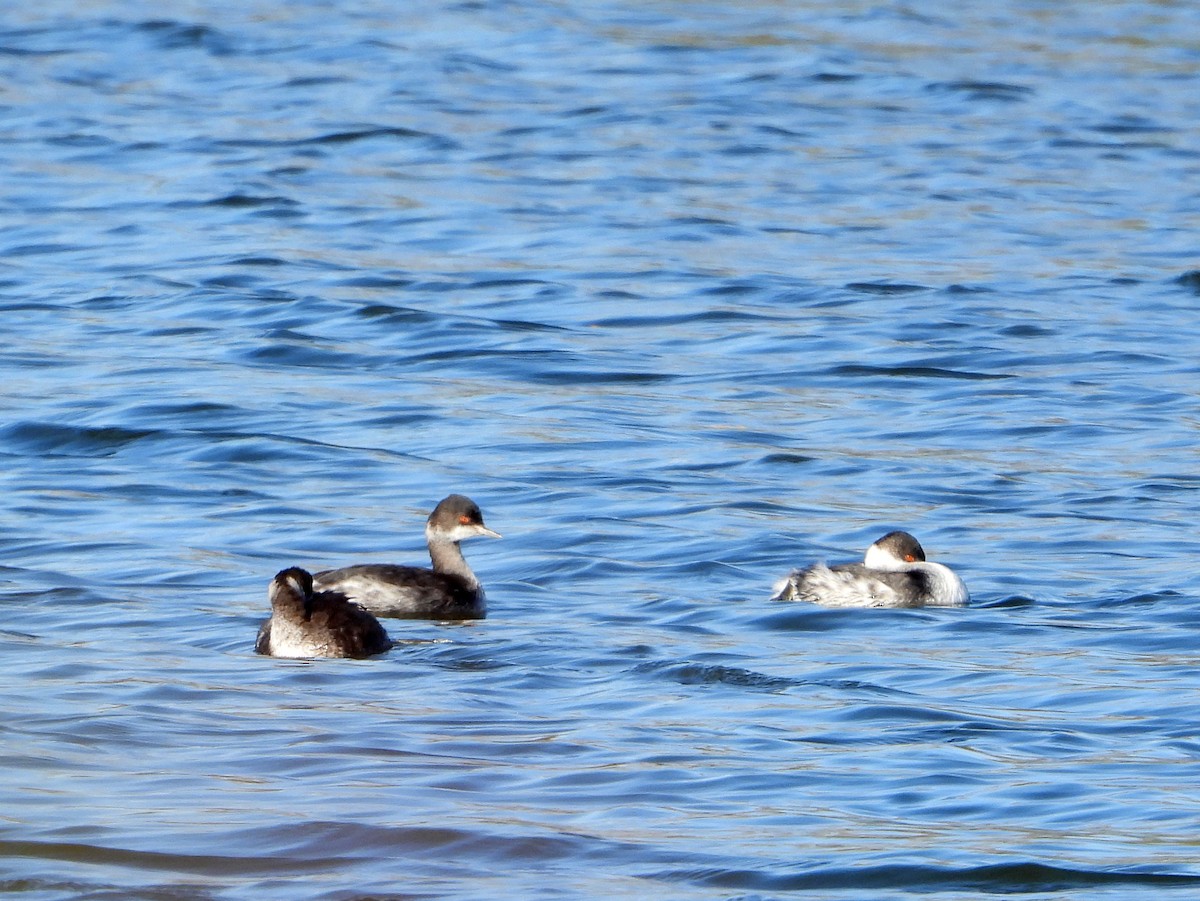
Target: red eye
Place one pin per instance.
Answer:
(464, 520)
(909, 558)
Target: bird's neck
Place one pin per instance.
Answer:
(448, 558)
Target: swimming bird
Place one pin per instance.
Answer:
(894, 573)
(304, 623)
(448, 591)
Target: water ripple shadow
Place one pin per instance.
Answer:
(1023, 877)
(64, 440)
(688, 673)
(982, 90)
(924, 372)
(694, 673)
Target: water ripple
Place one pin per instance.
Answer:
(1003, 878)
(682, 302)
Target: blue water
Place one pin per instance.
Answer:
(684, 295)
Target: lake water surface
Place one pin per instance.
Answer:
(684, 295)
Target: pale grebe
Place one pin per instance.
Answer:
(448, 591)
(320, 624)
(894, 573)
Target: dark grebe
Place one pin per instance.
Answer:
(894, 573)
(448, 591)
(324, 624)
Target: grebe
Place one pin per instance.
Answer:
(320, 624)
(448, 591)
(894, 573)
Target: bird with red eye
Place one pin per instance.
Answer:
(894, 573)
(450, 590)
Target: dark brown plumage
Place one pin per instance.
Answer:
(305, 623)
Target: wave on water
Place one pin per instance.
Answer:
(1024, 877)
(914, 371)
(716, 674)
(67, 440)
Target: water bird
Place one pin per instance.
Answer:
(894, 573)
(448, 591)
(307, 623)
